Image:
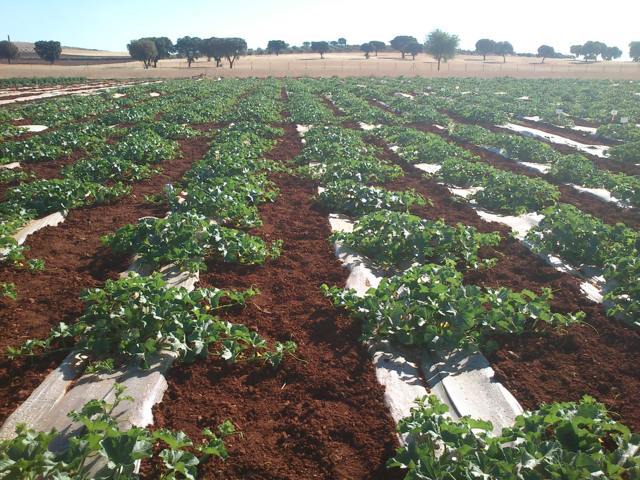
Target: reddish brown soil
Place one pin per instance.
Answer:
(599, 358)
(74, 260)
(606, 211)
(321, 416)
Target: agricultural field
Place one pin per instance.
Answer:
(337, 278)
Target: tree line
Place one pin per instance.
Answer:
(441, 45)
(150, 50)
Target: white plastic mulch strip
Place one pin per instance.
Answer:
(538, 167)
(597, 150)
(35, 128)
(428, 167)
(368, 126)
(602, 193)
(463, 381)
(405, 95)
(591, 130)
(11, 166)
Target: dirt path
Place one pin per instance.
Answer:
(74, 260)
(322, 417)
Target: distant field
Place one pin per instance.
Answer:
(338, 64)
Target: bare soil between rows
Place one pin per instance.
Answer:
(321, 416)
(74, 260)
(599, 358)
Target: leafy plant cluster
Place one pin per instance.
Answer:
(357, 109)
(500, 190)
(568, 440)
(335, 153)
(429, 305)
(580, 170)
(224, 188)
(584, 240)
(262, 105)
(53, 145)
(305, 107)
(27, 455)
(421, 147)
(187, 239)
(133, 319)
(397, 240)
(353, 198)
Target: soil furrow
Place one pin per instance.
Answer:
(74, 260)
(321, 416)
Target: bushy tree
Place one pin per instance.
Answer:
(611, 53)
(48, 50)
(342, 41)
(441, 45)
(504, 49)
(378, 46)
(414, 49)
(164, 47)
(189, 48)
(276, 46)
(592, 49)
(577, 50)
(634, 51)
(545, 51)
(8, 50)
(484, 47)
(367, 48)
(213, 48)
(144, 50)
(320, 47)
(400, 43)
(234, 48)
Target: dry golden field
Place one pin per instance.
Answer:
(340, 64)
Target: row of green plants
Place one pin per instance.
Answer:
(429, 304)
(586, 241)
(304, 107)
(131, 320)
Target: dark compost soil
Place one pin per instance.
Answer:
(318, 417)
(74, 260)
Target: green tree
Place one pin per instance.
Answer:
(164, 47)
(342, 41)
(504, 49)
(611, 53)
(414, 49)
(367, 48)
(441, 45)
(48, 50)
(276, 46)
(234, 48)
(8, 50)
(213, 48)
(189, 48)
(484, 47)
(400, 43)
(577, 50)
(320, 47)
(592, 49)
(143, 49)
(545, 51)
(634, 51)
(378, 46)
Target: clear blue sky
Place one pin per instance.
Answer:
(110, 24)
